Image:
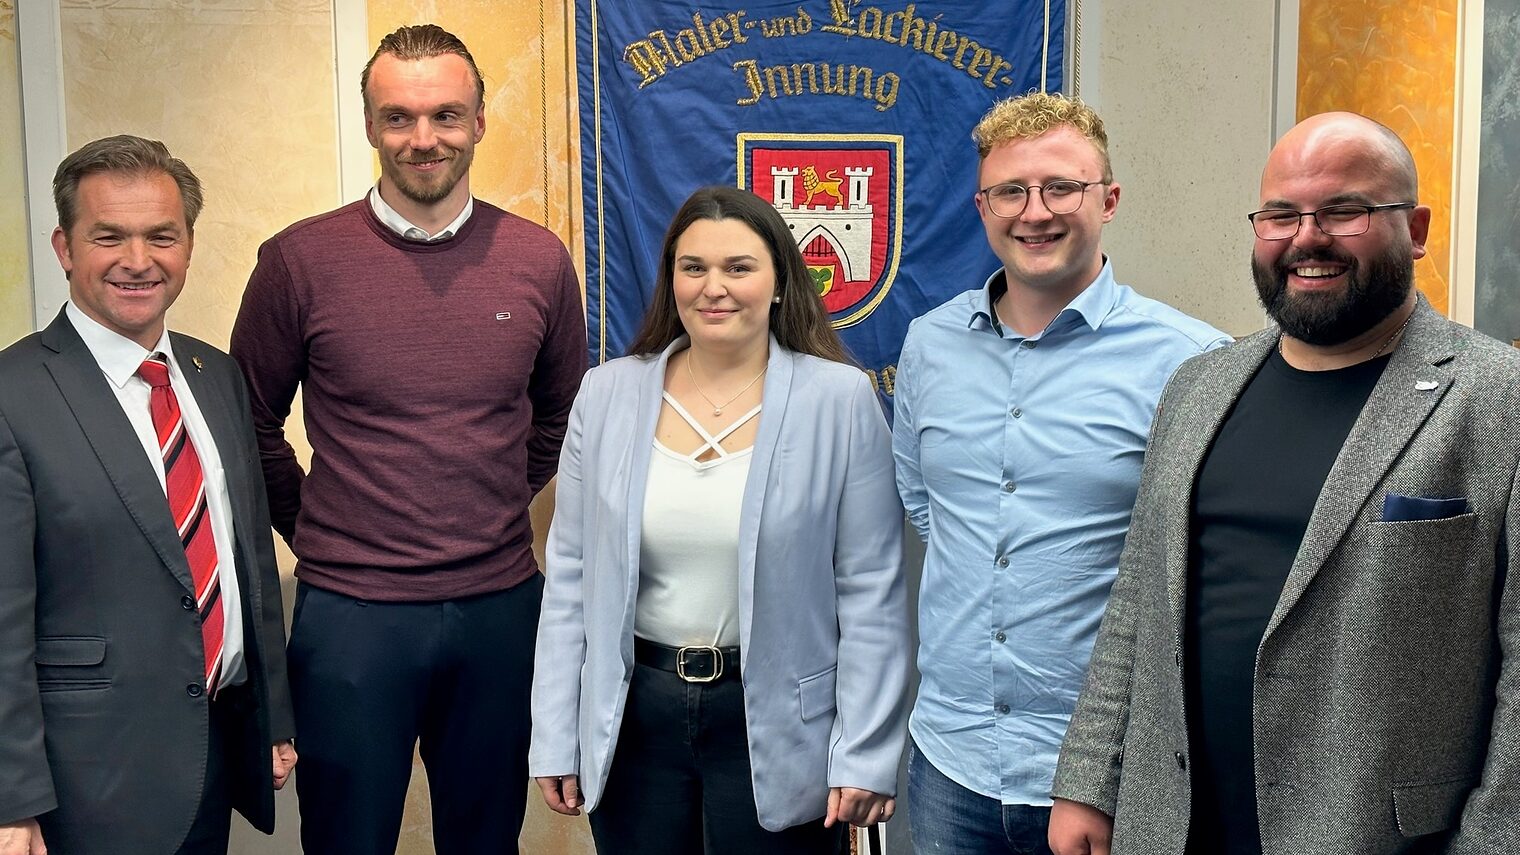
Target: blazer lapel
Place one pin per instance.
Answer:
(648, 401)
(777, 392)
(1411, 387)
(115, 443)
(1206, 408)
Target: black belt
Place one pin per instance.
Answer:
(694, 664)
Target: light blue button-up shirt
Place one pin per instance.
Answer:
(1018, 459)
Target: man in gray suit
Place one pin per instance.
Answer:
(1305, 649)
(142, 663)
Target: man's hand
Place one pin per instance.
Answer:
(858, 807)
(1078, 829)
(284, 761)
(21, 838)
(562, 793)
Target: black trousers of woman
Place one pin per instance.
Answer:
(680, 778)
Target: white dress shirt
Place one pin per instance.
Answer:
(119, 358)
(409, 230)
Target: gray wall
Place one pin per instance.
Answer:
(1496, 297)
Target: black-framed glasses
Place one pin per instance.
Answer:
(1333, 220)
(1062, 196)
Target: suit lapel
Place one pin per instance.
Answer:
(1411, 387)
(115, 443)
(778, 390)
(648, 400)
(1205, 408)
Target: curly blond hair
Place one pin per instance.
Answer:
(1028, 116)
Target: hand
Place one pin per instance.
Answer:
(562, 793)
(1078, 829)
(284, 760)
(858, 807)
(22, 838)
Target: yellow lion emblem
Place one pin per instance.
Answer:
(814, 185)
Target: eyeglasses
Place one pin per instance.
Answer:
(1063, 196)
(1333, 220)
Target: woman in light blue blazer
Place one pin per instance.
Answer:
(722, 654)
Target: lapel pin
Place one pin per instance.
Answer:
(1424, 385)
(196, 361)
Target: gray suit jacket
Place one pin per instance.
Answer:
(822, 601)
(100, 735)
(1387, 687)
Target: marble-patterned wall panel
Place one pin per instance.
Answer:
(15, 265)
(1185, 90)
(1395, 61)
(242, 91)
(1497, 297)
(529, 161)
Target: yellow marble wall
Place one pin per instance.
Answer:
(15, 266)
(240, 91)
(1395, 61)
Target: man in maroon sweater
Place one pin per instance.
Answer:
(438, 341)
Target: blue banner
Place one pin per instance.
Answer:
(854, 120)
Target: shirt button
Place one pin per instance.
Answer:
(1002, 709)
(1181, 761)
(1003, 562)
(1027, 344)
(1009, 486)
(194, 690)
(1017, 413)
(1000, 636)
(188, 603)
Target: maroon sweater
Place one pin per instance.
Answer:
(436, 382)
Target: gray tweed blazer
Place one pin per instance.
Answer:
(1387, 687)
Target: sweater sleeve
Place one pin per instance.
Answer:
(556, 375)
(269, 345)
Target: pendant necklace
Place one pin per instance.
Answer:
(718, 408)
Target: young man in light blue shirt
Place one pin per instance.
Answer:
(1022, 410)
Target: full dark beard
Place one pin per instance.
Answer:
(1329, 318)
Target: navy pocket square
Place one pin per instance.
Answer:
(1398, 508)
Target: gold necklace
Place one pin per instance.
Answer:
(718, 408)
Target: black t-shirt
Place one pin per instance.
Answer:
(1251, 505)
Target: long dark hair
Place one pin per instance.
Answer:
(798, 322)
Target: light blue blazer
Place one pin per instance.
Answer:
(822, 605)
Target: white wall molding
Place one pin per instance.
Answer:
(1468, 130)
(351, 50)
(39, 42)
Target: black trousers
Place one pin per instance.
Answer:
(370, 680)
(680, 778)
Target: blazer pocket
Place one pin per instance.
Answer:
(817, 693)
(1426, 808)
(58, 657)
(70, 650)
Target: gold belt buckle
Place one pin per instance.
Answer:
(717, 660)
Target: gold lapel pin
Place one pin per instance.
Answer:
(196, 360)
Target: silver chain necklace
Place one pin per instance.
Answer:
(718, 408)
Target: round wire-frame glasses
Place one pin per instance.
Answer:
(1062, 196)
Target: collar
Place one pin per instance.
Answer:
(117, 355)
(393, 220)
(1092, 306)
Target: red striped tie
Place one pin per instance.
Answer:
(186, 486)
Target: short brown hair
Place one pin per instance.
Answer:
(798, 322)
(421, 42)
(124, 155)
(1029, 116)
